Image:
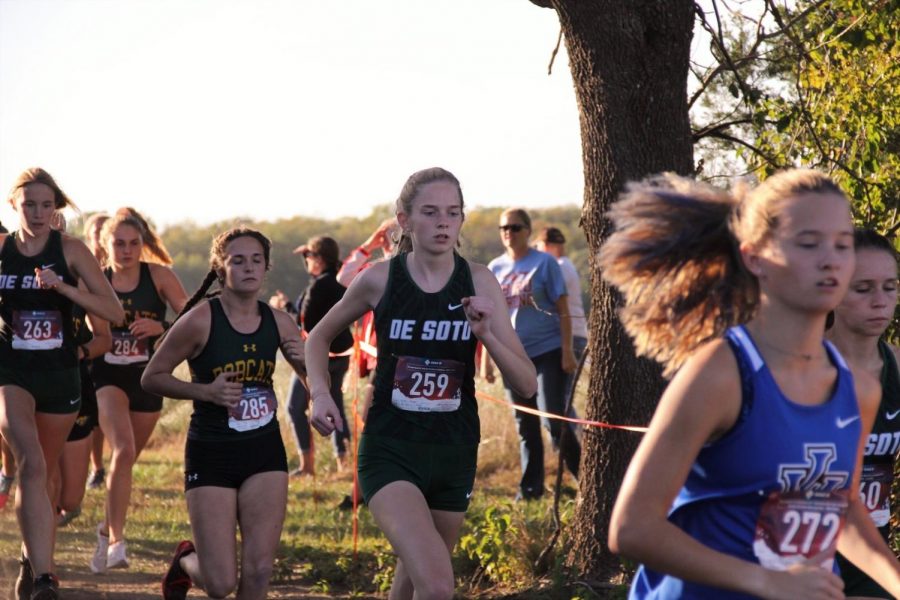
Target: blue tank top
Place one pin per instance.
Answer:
(774, 490)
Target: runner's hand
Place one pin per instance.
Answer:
(47, 278)
(224, 390)
(325, 417)
(478, 310)
(143, 328)
(807, 579)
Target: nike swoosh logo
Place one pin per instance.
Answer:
(841, 423)
(469, 495)
(47, 266)
(454, 306)
(892, 416)
(75, 401)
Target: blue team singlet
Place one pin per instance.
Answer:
(774, 490)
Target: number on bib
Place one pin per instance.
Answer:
(875, 491)
(427, 384)
(37, 330)
(793, 527)
(255, 409)
(127, 349)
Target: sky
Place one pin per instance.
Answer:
(207, 110)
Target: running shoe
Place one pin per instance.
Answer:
(115, 556)
(46, 587)
(177, 582)
(25, 580)
(98, 561)
(64, 517)
(5, 486)
(96, 478)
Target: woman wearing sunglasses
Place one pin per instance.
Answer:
(535, 292)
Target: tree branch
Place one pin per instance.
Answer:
(721, 135)
(712, 128)
(555, 50)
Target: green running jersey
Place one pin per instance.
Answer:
(425, 375)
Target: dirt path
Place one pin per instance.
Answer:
(141, 581)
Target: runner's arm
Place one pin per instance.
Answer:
(98, 296)
(361, 297)
(102, 340)
(499, 337)
(291, 345)
(700, 404)
(860, 542)
(186, 339)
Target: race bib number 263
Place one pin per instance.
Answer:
(37, 330)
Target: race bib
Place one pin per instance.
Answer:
(255, 409)
(37, 330)
(793, 527)
(427, 384)
(127, 349)
(875, 490)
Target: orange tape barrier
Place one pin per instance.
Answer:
(540, 413)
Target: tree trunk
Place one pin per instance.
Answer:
(629, 62)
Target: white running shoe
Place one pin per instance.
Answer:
(98, 561)
(115, 556)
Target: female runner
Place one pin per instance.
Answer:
(235, 462)
(93, 339)
(747, 479)
(39, 385)
(128, 414)
(92, 228)
(418, 451)
(859, 323)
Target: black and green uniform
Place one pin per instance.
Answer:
(124, 364)
(423, 425)
(226, 446)
(877, 477)
(88, 415)
(37, 338)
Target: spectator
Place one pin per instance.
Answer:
(535, 292)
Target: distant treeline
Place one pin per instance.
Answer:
(188, 243)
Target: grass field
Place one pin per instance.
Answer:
(501, 539)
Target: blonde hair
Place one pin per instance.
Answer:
(411, 190)
(39, 175)
(93, 226)
(154, 251)
(674, 255)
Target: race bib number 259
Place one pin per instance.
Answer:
(427, 384)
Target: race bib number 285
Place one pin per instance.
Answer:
(255, 409)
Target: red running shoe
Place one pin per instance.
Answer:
(176, 583)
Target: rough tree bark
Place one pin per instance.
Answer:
(629, 62)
